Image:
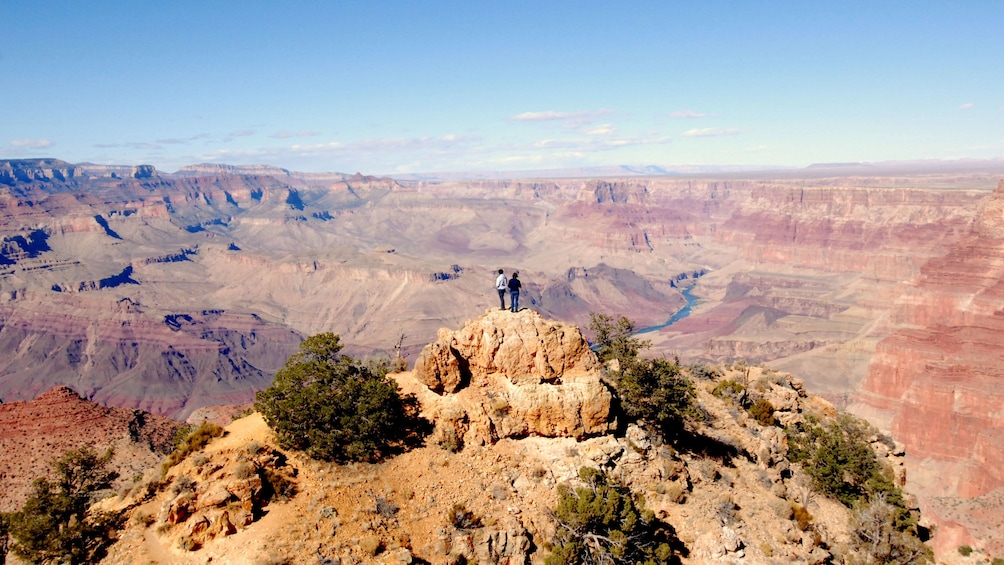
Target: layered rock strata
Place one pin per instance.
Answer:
(939, 378)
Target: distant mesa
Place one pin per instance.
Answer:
(646, 170)
(835, 165)
(14, 248)
(144, 172)
(196, 228)
(15, 171)
(124, 277)
(181, 255)
(359, 177)
(221, 169)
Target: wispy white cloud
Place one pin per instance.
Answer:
(967, 106)
(184, 140)
(142, 145)
(710, 132)
(566, 119)
(329, 146)
(756, 148)
(548, 116)
(532, 160)
(514, 159)
(452, 151)
(392, 144)
(380, 151)
(598, 144)
(242, 133)
(687, 114)
(288, 134)
(603, 129)
(31, 143)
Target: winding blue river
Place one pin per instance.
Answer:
(680, 314)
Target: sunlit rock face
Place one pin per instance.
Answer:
(940, 379)
(121, 354)
(518, 374)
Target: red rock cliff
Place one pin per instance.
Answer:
(941, 374)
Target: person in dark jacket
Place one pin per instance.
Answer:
(514, 286)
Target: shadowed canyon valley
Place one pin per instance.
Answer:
(176, 292)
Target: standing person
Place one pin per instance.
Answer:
(501, 284)
(514, 286)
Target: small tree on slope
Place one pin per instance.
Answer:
(654, 391)
(603, 522)
(333, 407)
(55, 524)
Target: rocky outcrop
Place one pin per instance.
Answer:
(514, 375)
(215, 498)
(525, 348)
(730, 493)
(24, 171)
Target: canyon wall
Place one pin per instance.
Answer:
(797, 273)
(938, 378)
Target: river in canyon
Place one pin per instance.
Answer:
(679, 315)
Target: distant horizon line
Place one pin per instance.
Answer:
(916, 166)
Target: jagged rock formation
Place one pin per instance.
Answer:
(216, 498)
(34, 433)
(939, 379)
(525, 375)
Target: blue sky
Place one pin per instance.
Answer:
(385, 87)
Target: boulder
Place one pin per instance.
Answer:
(524, 347)
(180, 508)
(516, 375)
(503, 547)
